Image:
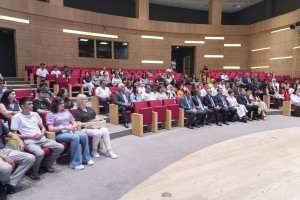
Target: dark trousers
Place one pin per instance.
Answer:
(224, 111)
(209, 114)
(216, 113)
(123, 109)
(278, 100)
(232, 113)
(104, 101)
(253, 108)
(198, 114)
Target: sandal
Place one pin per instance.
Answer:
(34, 176)
(49, 169)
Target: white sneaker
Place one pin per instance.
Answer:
(95, 154)
(90, 163)
(111, 154)
(77, 167)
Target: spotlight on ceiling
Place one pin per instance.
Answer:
(295, 27)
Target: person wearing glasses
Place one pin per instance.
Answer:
(62, 122)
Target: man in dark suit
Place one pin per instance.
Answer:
(200, 106)
(122, 99)
(244, 99)
(247, 80)
(208, 100)
(225, 106)
(256, 85)
(189, 107)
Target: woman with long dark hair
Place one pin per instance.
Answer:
(63, 93)
(262, 107)
(135, 96)
(62, 122)
(9, 106)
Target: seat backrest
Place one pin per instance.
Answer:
(22, 93)
(154, 103)
(51, 77)
(60, 79)
(138, 105)
(287, 97)
(63, 84)
(113, 89)
(73, 80)
(43, 116)
(72, 111)
(167, 102)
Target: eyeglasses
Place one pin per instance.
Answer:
(62, 103)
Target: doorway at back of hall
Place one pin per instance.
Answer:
(7, 53)
(185, 59)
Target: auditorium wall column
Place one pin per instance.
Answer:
(142, 9)
(215, 12)
(56, 2)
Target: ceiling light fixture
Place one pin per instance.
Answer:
(279, 58)
(260, 67)
(194, 42)
(214, 38)
(284, 29)
(232, 45)
(152, 37)
(231, 67)
(261, 49)
(152, 62)
(89, 33)
(213, 56)
(14, 19)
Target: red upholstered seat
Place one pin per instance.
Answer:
(23, 93)
(157, 107)
(142, 108)
(76, 86)
(51, 78)
(170, 103)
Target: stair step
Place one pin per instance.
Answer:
(17, 82)
(13, 78)
(26, 86)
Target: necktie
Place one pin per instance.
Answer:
(212, 102)
(224, 102)
(200, 104)
(246, 99)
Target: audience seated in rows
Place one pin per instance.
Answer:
(103, 93)
(55, 71)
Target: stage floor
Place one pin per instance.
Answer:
(264, 165)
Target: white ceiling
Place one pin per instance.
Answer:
(229, 6)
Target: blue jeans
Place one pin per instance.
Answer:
(75, 139)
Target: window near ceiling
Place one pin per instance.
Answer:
(104, 49)
(120, 50)
(86, 47)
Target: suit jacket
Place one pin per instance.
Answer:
(119, 100)
(184, 103)
(195, 100)
(241, 99)
(207, 102)
(237, 79)
(219, 100)
(256, 86)
(246, 81)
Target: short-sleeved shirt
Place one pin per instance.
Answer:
(27, 125)
(60, 119)
(3, 131)
(96, 79)
(86, 79)
(42, 72)
(43, 105)
(82, 116)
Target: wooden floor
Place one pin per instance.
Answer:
(264, 165)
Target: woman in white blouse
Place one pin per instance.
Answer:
(141, 87)
(171, 92)
(241, 109)
(160, 94)
(169, 79)
(116, 80)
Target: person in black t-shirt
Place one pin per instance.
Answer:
(87, 83)
(84, 116)
(41, 104)
(133, 79)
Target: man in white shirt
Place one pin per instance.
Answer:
(222, 84)
(32, 131)
(148, 95)
(214, 88)
(203, 91)
(103, 93)
(42, 72)
(104, 72)
(225, 77)
(55, 71)
(295, 99)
